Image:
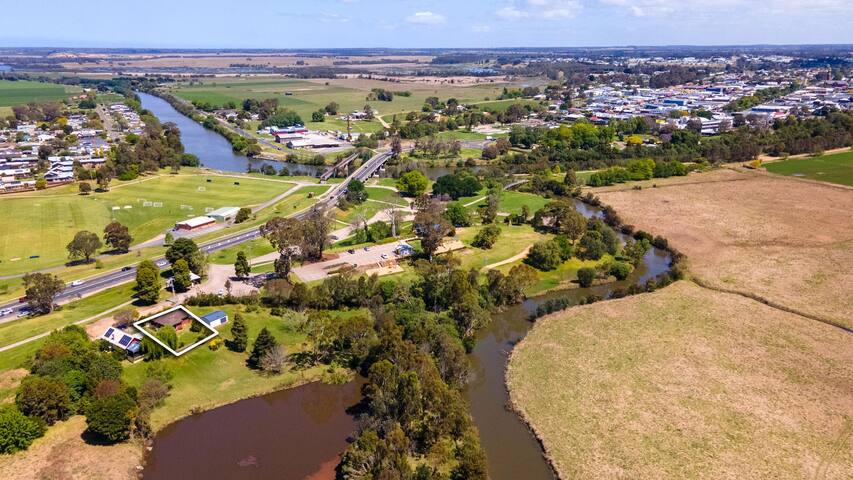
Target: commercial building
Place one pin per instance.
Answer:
(196, 223)
(224, 214)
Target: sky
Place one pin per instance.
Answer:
(413, 24)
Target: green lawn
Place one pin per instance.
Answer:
(513, 240)
(44, 223)
(837, 168)
(205, 378)
(512, 201)
(21, 92)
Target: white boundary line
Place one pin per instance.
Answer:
(138, 324)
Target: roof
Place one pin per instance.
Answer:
(121, 339)
(172, 318)
(214, 316)
(224, 212)
(196, 222)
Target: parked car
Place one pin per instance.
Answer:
(385, 256)
(366, 249)
(351, 251)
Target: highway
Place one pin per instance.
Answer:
(127, 274)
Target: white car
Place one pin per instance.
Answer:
(77, 283)
(385, 256)
(23, 313)
(5, 311)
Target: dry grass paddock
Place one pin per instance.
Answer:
(787, 241)
(687, 382)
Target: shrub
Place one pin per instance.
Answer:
(45, 398)
(586, 276)
(620, 270)
(17, 431)
(111, 417)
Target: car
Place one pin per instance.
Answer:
(221, 292)
(366, 249)
(77, 283)
(5, 311)
(23, 313)
(351, 251)
(125, 269)
(385, 256)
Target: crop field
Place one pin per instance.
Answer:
(783, 240)
(837, 168)
(310, 96)
(21, 92)
(45, 223)
(686, 382)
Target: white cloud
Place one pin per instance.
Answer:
(481, 29)
(541, 9)
(425, 18)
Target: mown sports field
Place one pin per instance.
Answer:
(837, 168)
(44, 222)
(22, 92)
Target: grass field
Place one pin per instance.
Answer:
(205, 378)
(22, 92)
(310, 96)
(383, 199)
(687, 383)
(786, 241)
(46, 222)
(512, 201)
(837, 168)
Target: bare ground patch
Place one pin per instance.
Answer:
(687, 383)
(63, 455)
(786, 241)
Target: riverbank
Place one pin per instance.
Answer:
(724, 369)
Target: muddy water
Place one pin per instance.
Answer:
(291, 434)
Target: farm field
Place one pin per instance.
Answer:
(22, 92)
(783, 240)
(310, 96)
(45, 223)
(686, 382)
(837, 168)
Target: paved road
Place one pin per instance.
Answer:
(127, 274)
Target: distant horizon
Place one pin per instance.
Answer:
(218, 24)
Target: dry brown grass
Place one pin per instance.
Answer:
(784, 240)
(63, 455)
(687, 382)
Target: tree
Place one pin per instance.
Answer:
(84, 187)
(111, 417)
(430, 226)
(17, 431)
(263, 344)
(560, 217)
(620, 270)
(413, 183)
(315, 235)
(239, 334)
(148, 282)
(243, 214)
(489, 211)
(45, 398)
(586, 276)
(395, 218)
(571, 179)
(41, 290)
(592, 247)
(457, 215)
(181, 280)
(396, 146)
(185, 248)
(356, 193)
(117, 236)
(486, 237)
(318, 116)
(241, 265)
(544, 255)
(84, 244)
(273, 360)
(285, 235)
(332, 108)
(104, 175)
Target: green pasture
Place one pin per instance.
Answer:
(308, 97)
(22, 92)
(41, 225)
(837, 168)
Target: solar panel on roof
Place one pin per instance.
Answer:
(109, 332)
(125, 339)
